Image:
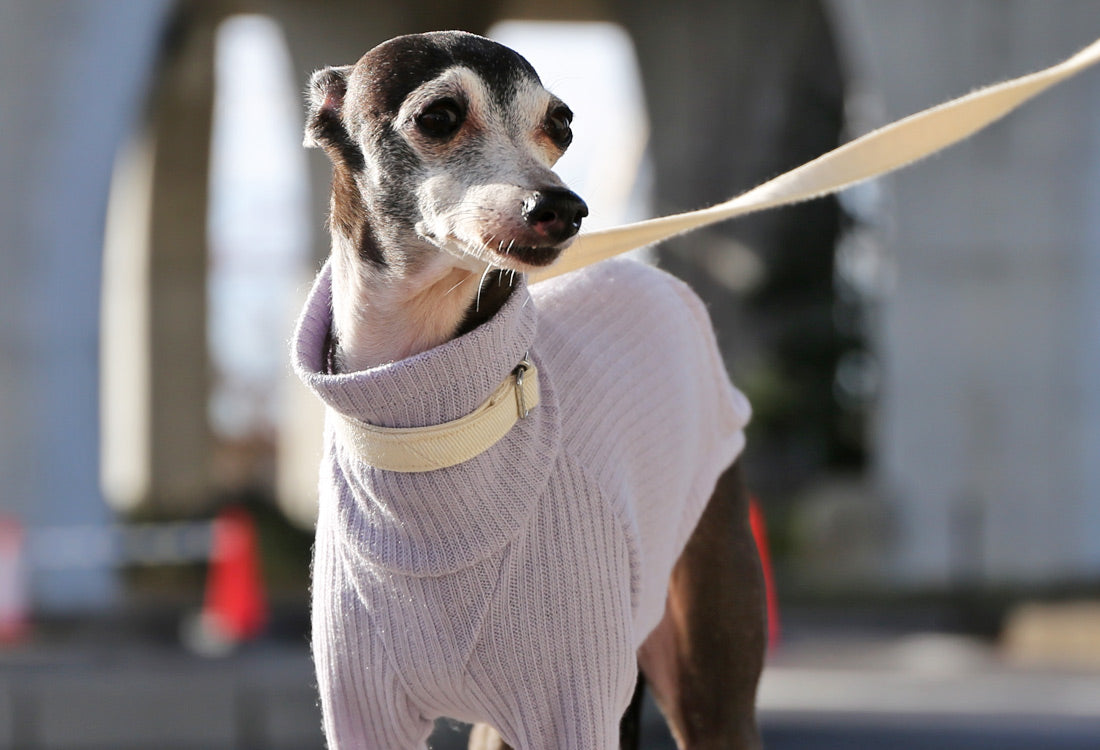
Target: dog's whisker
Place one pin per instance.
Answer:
(456, 286)
(485, 246)
(481, 284)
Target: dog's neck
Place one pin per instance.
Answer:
(383, 314)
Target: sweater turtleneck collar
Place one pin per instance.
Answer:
(434, 522)
(433, 387)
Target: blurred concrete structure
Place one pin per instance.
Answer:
(157, 450)
(988, 288)
(72, 81)
(989, 337)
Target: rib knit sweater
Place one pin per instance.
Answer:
(515, 588)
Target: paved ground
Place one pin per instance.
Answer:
(922, 691)
(896, 693)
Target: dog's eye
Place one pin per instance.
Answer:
(440, 119)
(557, 126)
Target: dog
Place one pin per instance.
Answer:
(602, 544)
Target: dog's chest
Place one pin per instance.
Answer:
(559, 586)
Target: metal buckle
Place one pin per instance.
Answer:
(521, 401)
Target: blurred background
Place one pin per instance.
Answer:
(923, 353)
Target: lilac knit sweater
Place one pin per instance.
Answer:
(515, 588)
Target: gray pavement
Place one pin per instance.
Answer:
(923, 691)
(917, 691)
(153, 697)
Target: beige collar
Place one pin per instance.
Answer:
(414, 449)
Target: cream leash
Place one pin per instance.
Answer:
(877, 153)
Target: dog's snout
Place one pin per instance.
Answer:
(554, 213)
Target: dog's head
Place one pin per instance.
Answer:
(445, 141)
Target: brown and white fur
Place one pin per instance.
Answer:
(442, 146)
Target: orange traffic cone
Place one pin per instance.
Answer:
(760, 534)
(14, 620)
(235, 607)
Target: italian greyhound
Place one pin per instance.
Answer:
(443, 197)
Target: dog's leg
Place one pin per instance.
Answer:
(705, 657)
(630, 728)
(484, 737)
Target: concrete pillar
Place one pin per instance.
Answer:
(989, 423)
(72, 76)
(157, 440)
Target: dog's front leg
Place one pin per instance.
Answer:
(484, 737)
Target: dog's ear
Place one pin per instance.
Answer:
(328, 88)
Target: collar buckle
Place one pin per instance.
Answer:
(521, 401)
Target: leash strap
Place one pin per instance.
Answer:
(877, 153)
(413, 449)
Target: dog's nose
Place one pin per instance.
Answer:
(554, 213)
